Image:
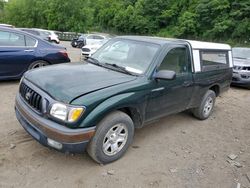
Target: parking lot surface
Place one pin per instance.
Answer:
(176, 151)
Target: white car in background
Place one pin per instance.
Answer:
(53, 37)
(91, 48)
(95, 39)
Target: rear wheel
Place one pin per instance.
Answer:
(113, 136)
(74, 44)
(38, 64)
(54, 41)
(206, 106)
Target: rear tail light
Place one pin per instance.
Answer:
(64, 53)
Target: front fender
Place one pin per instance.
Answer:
(127, 100)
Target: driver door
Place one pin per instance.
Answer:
(171, 96)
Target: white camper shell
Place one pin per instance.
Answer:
(208, 51)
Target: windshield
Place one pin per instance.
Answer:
(133, 56)
(243, 53)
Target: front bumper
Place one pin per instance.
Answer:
(72, 140)
(241, 79)
(85, 55)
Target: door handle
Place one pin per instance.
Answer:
(187, 83)
(29, 50)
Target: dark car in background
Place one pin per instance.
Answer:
(241, 70)
(79, 42)
(21, 51)
(89, 39)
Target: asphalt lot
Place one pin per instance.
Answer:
(177, 151)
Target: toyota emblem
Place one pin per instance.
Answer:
(27, 96)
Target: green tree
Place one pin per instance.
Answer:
(215, 20)
(2, 3)
(187, 25)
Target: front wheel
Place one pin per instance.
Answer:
(113, 136)
(206, 106)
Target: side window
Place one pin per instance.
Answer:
(30, 41)
(11, 39)
(176, 60)
(211, 60)
(4, 38)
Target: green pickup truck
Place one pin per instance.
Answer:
(129, 82)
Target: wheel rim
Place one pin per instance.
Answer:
(38, 65)
(115, 139)
(208, 106)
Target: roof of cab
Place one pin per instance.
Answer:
(194, 44)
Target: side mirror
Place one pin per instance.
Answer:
(165, 75)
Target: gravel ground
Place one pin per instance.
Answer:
(177, 151)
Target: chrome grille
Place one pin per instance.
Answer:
(239, 68)
(246, 68)
(245, 76)
(31, 97)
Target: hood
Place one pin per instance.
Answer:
(242, 62)
(90, 46)
(66, 82)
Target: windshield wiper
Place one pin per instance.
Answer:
(94, 61)
(120, 68)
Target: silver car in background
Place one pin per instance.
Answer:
(90, 49)
(241, 70)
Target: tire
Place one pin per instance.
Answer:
(206, 106)
(107, 133)
(55, 42)
(81, 44)
(38, 64)
(74, 44)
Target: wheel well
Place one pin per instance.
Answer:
(216, 89)
(134, 114)
(34, 60)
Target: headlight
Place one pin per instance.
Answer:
(66, 113)
(59, 111)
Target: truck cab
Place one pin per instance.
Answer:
(129, 82)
